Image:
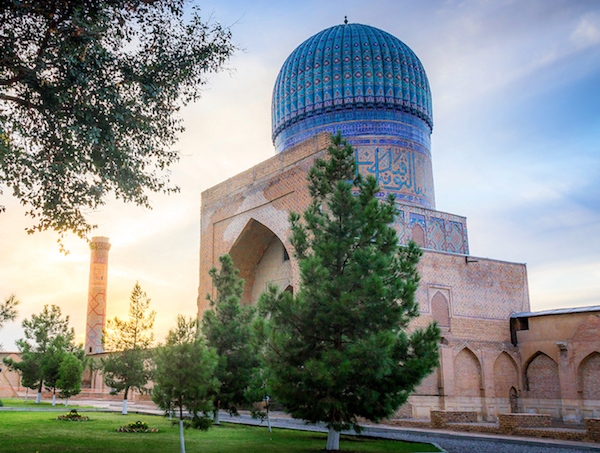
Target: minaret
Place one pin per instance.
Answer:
(96, 309)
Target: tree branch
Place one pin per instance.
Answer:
(19, 101)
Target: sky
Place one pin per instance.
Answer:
(515, 149)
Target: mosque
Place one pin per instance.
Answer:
(496, 356)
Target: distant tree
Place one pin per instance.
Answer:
(134, 333)
(69, 377)
(45, 334)
(126, 368)
(339, 348)
(227, 327)
(89, 92)
(29, 369)
(184, 374)
(8, 311)
(50, 365)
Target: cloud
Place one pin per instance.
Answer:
(587, 32)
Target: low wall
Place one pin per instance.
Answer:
(592, 426)
(440, 419)
(510, 422)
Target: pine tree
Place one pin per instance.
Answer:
(340, 348)
(184, 374)
(227, 327)
(8, 309)
(126, 368)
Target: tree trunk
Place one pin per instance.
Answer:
(54, 397)
(333, 440)
(181, 440)
(67, 402)
(216, 417)
(268, 419)
(38, 398)
(124, 411)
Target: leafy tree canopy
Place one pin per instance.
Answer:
(69, 376)
(47, 330)
(227, 327)
(339, 349)
(89, 90)
(47, 338)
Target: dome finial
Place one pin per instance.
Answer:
(345, 19)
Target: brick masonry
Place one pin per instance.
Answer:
(481, 369)
(439, 419)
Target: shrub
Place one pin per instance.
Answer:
(73, 416)
(136, 427)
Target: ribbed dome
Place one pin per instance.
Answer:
(350, 66)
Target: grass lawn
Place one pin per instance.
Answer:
(41, 432)
(20, 402)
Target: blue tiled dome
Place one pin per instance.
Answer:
(350, 67)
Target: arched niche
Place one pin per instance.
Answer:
(440, 311)
(506, 376)
(588, 376)
(467, 374)
(541, 377)
(513, 399)
(417, 234)
(261, 258)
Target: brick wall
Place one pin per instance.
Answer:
(440, 419)
(510, 422)
(542, 378)
(593, 429)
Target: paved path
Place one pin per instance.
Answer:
(450, 441)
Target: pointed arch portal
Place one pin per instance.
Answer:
(261, 258)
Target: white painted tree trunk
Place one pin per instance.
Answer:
(54, 399)
(181, 440)
(170, 414)
(38, 398)
(67, 402)
(333, 440)
(124, 411)
(269, 420)
(216, 417)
